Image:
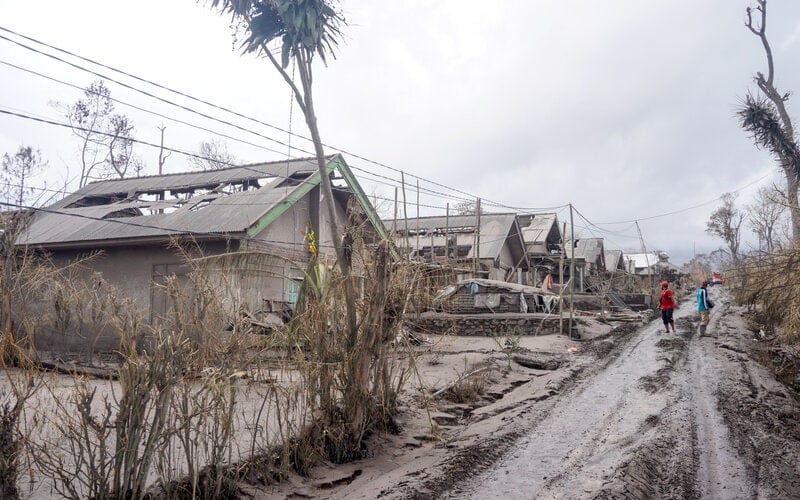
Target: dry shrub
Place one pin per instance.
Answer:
(89, 309)
(23, 276)
(168, 421)
(162, 424)
(352, 381)
(16, 390)
(468, 389)
(771, 284)
(172, 426)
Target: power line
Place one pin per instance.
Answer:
(675, 212)
(144, 92)
(144, 110)
(215, 106)
(137, 141)
(260, 122)
(395, 181)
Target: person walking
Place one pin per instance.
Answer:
(704, 305)
(667, 306)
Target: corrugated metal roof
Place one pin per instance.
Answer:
(614, 260)
(642, 260)
(539, 228)
(204, 213)
(494, 231)
(591, 249)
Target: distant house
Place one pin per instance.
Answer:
(590, 262)
(543, 243)
(593, 253)
(615, 261)
(250, 223)
(490, 246)
(646, 263)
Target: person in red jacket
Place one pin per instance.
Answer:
(667, 306)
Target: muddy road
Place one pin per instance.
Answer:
(663, 416)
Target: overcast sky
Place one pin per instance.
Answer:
(624, 108)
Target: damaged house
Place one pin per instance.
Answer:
(543, 243)
(650, 263)
(488, 246)
(247, 226)
(590, 264)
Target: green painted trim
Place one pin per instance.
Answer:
(363, 200)
(303, 189)
(314, 180)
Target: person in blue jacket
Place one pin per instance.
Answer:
(704, 305)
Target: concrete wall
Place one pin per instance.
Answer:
(132, 270)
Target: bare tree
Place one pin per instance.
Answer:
(213, 155)
(16, 174)
(466, 207)
(766, 118)
(766, 211)
(726, 223)
(106, 149)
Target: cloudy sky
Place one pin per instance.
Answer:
(624, 108)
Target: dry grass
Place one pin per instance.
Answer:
(770, 284)
(199, 402)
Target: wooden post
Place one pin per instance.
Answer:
(477, 252)
(571, 270)
(417, 215)
(561, 281)
(405, 207)
(447, 235)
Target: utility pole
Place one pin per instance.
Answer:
(447, 235)
(646, 259)
(405, 208)
(417, 215)
(561, 281)
(394, 220)
(477, 237)
(571, 270)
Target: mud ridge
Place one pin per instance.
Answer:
(470, 461)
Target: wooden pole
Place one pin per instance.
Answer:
(394, 221)
(405, 206)
(417, 215)
(571, 270)
(477, 252)
(447, 235)
(561, 280)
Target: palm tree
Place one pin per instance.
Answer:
(305, 29)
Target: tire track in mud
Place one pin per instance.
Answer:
(646, 426)
(720, 470)
(470, 461)
(589, 436)
(763, 417)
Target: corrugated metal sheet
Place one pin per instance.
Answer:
(222, 213)
(539, 228)
(494, 232)
(591, 250)
(614, 260)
